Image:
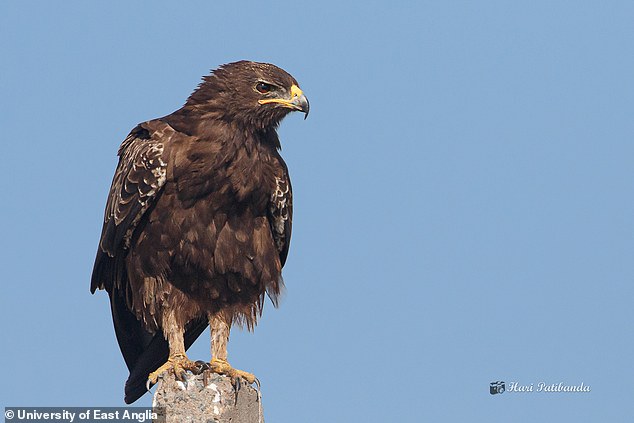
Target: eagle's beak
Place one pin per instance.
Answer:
(297, 101)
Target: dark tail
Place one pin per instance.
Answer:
(143, 351)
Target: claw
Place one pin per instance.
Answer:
(177, 365)
(201, 366)
(148, 385)
(224, 368)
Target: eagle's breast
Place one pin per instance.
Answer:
(219, 224)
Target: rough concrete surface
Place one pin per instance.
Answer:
(217, 401)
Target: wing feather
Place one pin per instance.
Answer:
(137, 183)
(281, 214)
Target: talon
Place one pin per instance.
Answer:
(148, 385)
(177, 364)
(223, 367)
(201, 366)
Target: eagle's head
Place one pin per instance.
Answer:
(257, 95)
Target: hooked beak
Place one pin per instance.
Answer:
(297, 101)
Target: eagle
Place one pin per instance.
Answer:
(197, 223)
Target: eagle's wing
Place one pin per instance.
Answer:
(137, 182)
(281, 214)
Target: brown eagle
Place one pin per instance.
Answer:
(198, 222)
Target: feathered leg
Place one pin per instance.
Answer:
(177, 361)
(220, 326)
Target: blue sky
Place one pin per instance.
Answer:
(463, 200)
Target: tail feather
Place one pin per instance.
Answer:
(153, 356)
(143, 352)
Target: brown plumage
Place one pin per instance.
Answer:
(198, 221)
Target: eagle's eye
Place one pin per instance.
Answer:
(263, 87)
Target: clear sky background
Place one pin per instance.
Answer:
(464, 200)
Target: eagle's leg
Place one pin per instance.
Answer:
(220, 326)
(177, 362)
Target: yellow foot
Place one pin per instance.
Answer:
(177, 364)
(223, 367)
